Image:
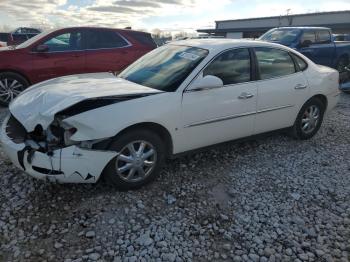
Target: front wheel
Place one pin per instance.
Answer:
(140, 159)
(309, 119)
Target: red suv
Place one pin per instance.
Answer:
(66, 52)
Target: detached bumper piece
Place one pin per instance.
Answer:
(65, 165)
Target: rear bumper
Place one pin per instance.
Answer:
(67, 165)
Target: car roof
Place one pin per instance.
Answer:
(218, 44)
(98, 27)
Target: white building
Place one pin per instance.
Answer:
(339, 22)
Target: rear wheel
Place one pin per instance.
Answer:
(11, 85)
(309, 119)
(141, 156)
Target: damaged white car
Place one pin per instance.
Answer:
(177, 98)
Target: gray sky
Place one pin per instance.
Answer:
(186, 15)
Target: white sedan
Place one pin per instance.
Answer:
(180, 97)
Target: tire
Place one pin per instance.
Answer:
(342, 63)
(122, 177)
(11, 84)
(300, 129)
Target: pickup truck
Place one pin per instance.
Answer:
(317, 43)
(3, 39)
(19, 35)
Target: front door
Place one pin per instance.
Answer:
(220, 114)
(63, 57)
(282, 89)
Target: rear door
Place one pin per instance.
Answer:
(324, 48)
(310, 37)
(282, 88)
(142, 43)
(321, 49)
(65, 56)
(106, 50)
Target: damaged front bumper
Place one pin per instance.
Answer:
(70, 164)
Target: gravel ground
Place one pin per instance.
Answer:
(272, 199)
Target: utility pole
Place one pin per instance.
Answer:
(289, 17)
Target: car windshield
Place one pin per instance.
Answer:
(165, 68)
(33, 39)
(281, 35)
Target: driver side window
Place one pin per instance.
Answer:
(70, 41)
(232, 67)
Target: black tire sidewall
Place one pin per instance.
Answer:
(15, 76)
(110, 174)
(297, 130)
(343, 60)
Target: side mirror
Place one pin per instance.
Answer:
(205, 83)
(306, 43)
(42, 48)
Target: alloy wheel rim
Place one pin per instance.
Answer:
(9, 89)
(310, 119)
(136, 161)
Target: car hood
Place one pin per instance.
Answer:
(39, 103)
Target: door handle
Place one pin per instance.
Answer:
(245, 95)
(300, 86)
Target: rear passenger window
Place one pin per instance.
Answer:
(232, 67)
(99, 39)
(301, 63)
(143, 38)
(323, 37)
(274, 62)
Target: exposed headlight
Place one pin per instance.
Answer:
(68, 133)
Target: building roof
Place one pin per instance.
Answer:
(334, 20)
(296, 15)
